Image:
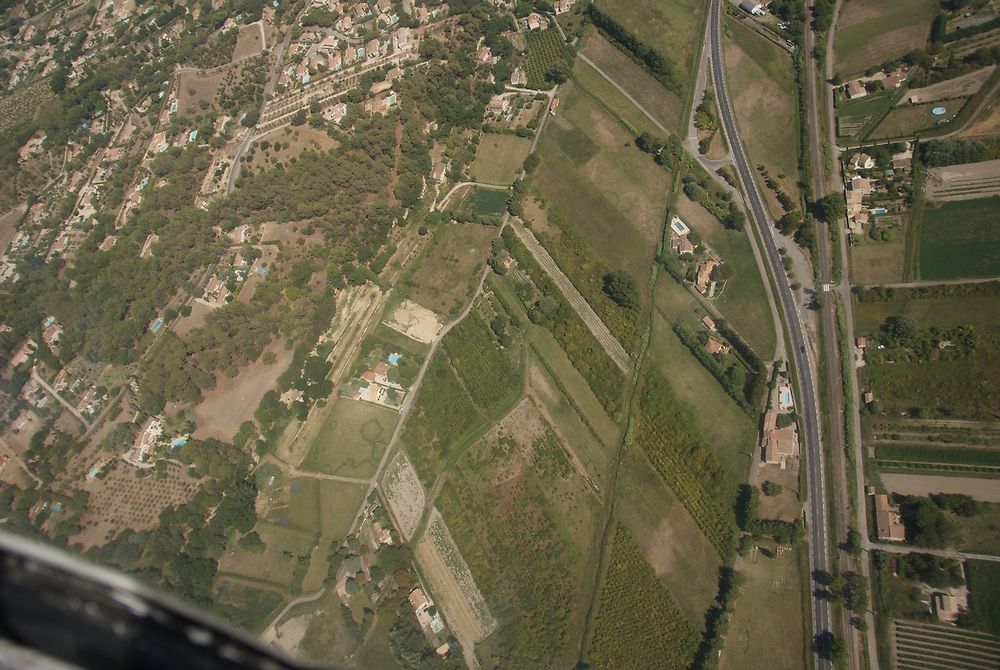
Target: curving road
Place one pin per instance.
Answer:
(808, 400)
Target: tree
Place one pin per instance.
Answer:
(722, 272)
(557, 72)
(620, 287)
(853, 543)
(832, 207)
(900, 329)
(771, 488)
(299, 118)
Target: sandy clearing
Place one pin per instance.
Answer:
(980, 489)
(967, 84)
(289, 634)
(233, 400)
(415, 321)
(453, 587)
(404, 494)
(964, 182)
(250, 41)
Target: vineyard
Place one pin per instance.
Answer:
(486, 370)
(668, 434)
(921, 645)
(912, 455)
(638, 625)
(545, 47)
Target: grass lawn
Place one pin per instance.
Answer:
(597, 187)
(681, 555)
(984, 595)
(744, 300)
(248, 606)
(282, 562)
(339, 502)
(499, 158)
(871, 32)
(762, 87)
(960, 239)
(729, 432)
(484, 201)
(525, 523)
(446, 275)
(979, 311)
(545, 47)
(675, 28)
(905, 121)
(980, 534)
(767, 622)
(879, 262)
(666, 107)
(352, 439)
(303, 505)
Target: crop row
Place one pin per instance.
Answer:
(943, 455)
(639, 624)
(544, 48)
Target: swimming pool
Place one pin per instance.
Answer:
(394, 358)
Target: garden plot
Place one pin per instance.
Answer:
(415, 321)
(404, 495)
(967, 84)
(452, 585)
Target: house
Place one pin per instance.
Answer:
(534, 21)
(861, 161)
(335, 113)
(946, 606)
(754, 8)
(381, 103)
(499, 105)
(419, 601)
(704, 279)
(372, 48)
(709, 323)
(563, 6)
(779, 444)
(681, 245)
(291, 396)
(716, 346)
(485, 55)
(887, 520)
(861, 342)
(402, 40)
(855, 89)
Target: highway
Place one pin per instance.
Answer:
(808, 400)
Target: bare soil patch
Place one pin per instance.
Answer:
(968, 181)
(404, 494)
(415, 321)
(193, 87)
(234, 399)
(293, 140)
(958, 87)
(446, 277)
(921, 485)
(250, 41)
(196, 319)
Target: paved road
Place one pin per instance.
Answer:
(593, 322)
(808, 400)
(62, 401)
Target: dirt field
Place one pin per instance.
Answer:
(762, 85)
(964, 182)
(499, 158)
(193, 87)
(415, 321)
(958, 87)
(453, 587)
(445, 278)
(871, 32)
(404, 494)
(125, 499)
(250, 41)
(921, 485)
(988, 122)
(233, 400)
(196, 319)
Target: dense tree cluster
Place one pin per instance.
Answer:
(657, 64)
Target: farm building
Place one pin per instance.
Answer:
(780, 444)
(887, 519)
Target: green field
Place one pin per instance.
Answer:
(912, 453)
(668, 434)
(484, 201)
(595, 186)
(979, 533)
(910, 119)
(871, 32)
(673, 27)
(960, 239)
(976, 305)
(281, 563)
(984, 595)
(638, 623)
(499, 158)
(545, 47)
(248, 606)
(855, 117)
(351, 440)
(488, 372)
(525, 523)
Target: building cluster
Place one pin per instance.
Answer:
(867, 85)
(873, 190)
(377, 385)
(780, 436)
(701, 262)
